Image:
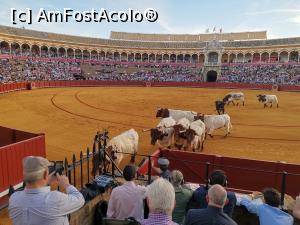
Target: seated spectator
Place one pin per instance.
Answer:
(127, 200)
(161, 200)
(296, 210)
(268, 212)
(213, 214)
(37, 204)
(163, 169)
(182, 196)
(216, 177)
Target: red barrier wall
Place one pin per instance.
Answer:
(90, 83)
(12, 87)
(245, 174)
(212, 85)
(19, 145)
(289, 88)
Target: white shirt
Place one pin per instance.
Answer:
(127, 201)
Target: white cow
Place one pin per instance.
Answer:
(176, 114)
(214, 122)
(163, 133)
(127, 142)
(268, 99)
(184, 122)
(195, 136)
(234, 96)
(166, 122)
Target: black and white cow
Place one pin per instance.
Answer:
(234, 96)
(176, 114)
(268, 99)
(163, 133)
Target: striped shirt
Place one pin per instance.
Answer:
(158, 219)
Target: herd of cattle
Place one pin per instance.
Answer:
(236, 97)
(183, 130)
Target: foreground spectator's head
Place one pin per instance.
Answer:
(271, 197)
(163, 164)
(35, 170)
(218, 177)
(217, 196)
(129, 172)
(161, 196)
(176, 178)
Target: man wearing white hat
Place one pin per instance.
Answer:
(37, 204)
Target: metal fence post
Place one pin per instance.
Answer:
(94, 146)
(207, 174)
(104, 156)
(99, 145)
(94, 162)
(74, 170)
(88, 164)
(149, 169)
(66, 166)
(81, 169)
(102, 160)
(283, 187)
(112, 164)
(104, 143)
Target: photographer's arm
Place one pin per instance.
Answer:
(72, 200)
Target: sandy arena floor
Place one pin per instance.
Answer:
(70, 118)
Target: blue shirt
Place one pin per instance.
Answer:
(43, 206)
(267, 214)
(199, 196)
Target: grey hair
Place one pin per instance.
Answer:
(161, 196)
(33, 176)
(217, 195)
(176, 178)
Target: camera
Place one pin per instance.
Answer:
(57, 166)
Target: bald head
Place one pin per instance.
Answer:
(217, 196)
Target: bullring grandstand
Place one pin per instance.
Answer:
(73, 87)
(218, 58)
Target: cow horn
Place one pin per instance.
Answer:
(182, 131)
(146, 130)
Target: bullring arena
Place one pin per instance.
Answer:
(70, 87)
(70, 116)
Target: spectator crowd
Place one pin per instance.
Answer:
(167, 200)
(261, 74)
(13, 70)
(146, 73)
(28, 70)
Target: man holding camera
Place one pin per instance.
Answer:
(37, 204)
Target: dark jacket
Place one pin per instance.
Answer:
(209, 216)
(199, 197)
